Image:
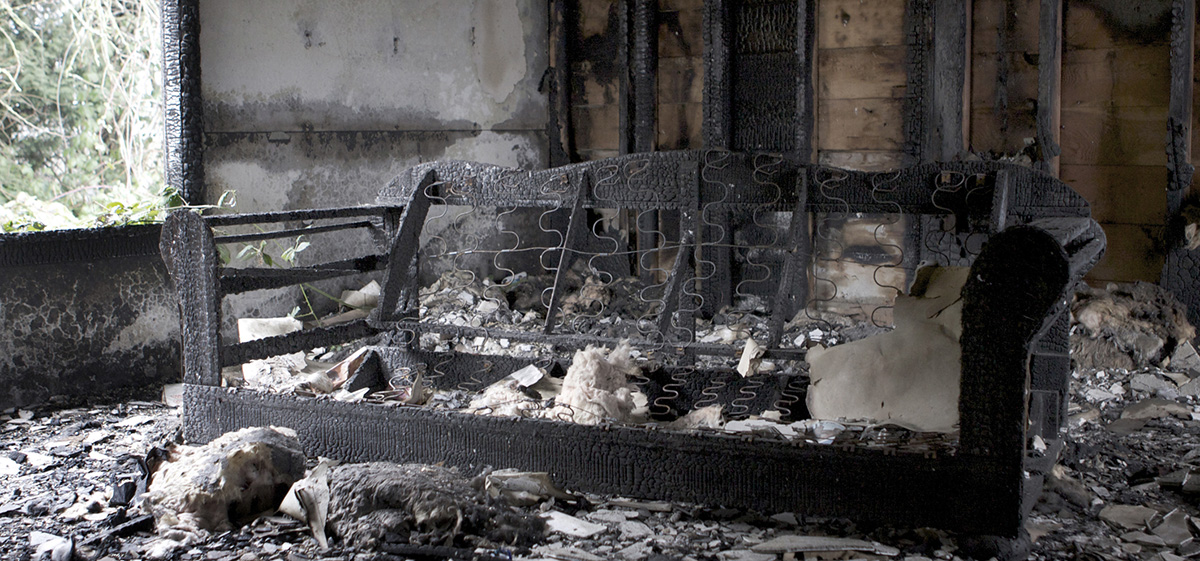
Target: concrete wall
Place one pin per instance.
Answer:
(316, 103)
(319, 103)
(87, 314)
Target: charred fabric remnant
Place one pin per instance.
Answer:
(228, 482)
(1040, 241)
(1127, 326)
(225, 483)
(374, 503)
(87, 313)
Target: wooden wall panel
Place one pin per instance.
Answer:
(680, 74)
(1134, 253)
(1004, 75)
(1119, 194)
(860, 83)
(857, 23)
(1115, 84)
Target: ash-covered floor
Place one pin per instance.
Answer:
(1127, 486)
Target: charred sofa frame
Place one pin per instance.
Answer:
(1040, 241)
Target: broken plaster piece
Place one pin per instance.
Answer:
(225, 482)
(1174, 529)
(751, 359)
(522, 488)
(1155, 408)
(564, 523)
(1130, 517)
(798, 544)
(909, 375)
(308, 501)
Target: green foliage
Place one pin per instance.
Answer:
(80, 113)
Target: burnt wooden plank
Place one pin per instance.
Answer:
(793, 282)
(287, 233)
(576, 228)
(190, 254)
(234, 281)
(1179, 113)
(1001, 197)
(806, 26)
(918, 57)
(717, 111)
(404, 249)
(675, 285)
(297, 341)
(559, 125)
(184, 103)
(641, 104)
(1050, 29)
(951, 43)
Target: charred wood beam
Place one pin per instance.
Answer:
(576, 227)
(642, 64)
(639, 108)
(256, 236)
(190, 254)
(717, 128)
(241, 353)
(675, 286)
(244, 280)
(1179, 113)
(293, 215)
(806, 33)
(182, 99)
(951, 76)
(562, 149)
(1020, 275)
(1182, 266)
(918, 57)
(793, 282)
(404, 250)
(1050, 25)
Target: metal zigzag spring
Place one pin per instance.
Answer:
(740, 407)
(712, 392)
(789, 396)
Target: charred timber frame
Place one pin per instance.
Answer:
(1041, 241)
(938, 38)
(721, 65)
(1182, 266)
(558, 127)
(183, 103)
(1049, 108)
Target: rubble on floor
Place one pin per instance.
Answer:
(223, 484)
(69, 461)
(1127, 326)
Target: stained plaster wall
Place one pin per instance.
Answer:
(318, 103)
(88, 314)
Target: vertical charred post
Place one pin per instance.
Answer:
(182, 99)
(1049, 84)
(562, 149)
(806, 33)
(190, 253)
(1182, 267)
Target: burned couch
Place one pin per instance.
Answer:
(667, 251)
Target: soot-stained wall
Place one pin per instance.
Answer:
(88, 314)
(318, 103)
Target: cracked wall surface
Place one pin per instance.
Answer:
(88, 314)
(317, 104)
